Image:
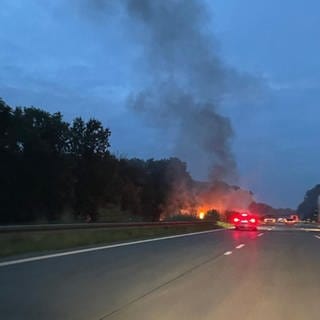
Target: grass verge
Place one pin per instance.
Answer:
(224, 225)
(16, 243)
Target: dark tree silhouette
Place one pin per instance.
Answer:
(307, 209)
(49, 166)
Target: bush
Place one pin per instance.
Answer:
(182, 217)
(212, 215)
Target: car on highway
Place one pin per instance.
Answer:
(290, 221)
(269, 220)
(245, 221)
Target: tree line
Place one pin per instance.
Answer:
(50, 168)
(309, 207)
(265, 210)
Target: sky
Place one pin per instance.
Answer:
(59, 56)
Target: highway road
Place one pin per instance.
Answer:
(273, 273)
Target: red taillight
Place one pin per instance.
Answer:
(252, 220)
(236, 219)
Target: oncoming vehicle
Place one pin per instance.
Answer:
(245, 221)
(290, 221)
(269, 220)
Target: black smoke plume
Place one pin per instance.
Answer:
(187, 82)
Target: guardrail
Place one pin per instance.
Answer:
(97, 225)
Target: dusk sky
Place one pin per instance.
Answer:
(80, 59)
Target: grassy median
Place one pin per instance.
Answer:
(15, 243)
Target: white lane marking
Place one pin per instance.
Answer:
(317, 237)
(69, 253)
(227, 253)
(260, 234)
(310, 229)
(240, 246)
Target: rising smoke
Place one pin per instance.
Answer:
(186, 80)
(186, 83)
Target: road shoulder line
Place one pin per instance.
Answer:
(67, 253)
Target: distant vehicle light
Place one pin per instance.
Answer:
(236, 219)
(244, 214)
(290, 221)
(252, 220)
(269, 220)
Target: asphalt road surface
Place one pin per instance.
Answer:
(273, 273)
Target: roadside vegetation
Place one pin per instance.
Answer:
(17, 243)
(55, 171)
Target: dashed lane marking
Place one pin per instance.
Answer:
(240, 246)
